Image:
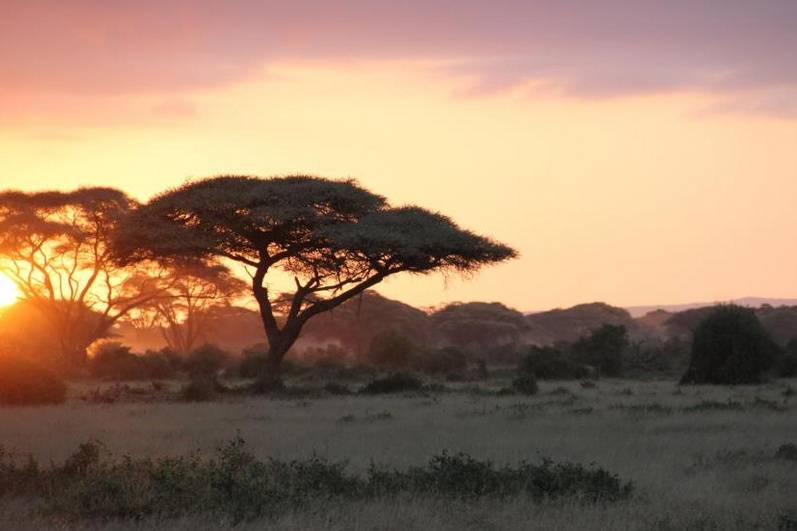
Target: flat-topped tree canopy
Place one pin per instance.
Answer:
(334, 236)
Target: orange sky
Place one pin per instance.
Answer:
(683, 192)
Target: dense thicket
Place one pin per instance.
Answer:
(235, 485)
(730, 346)
(24, 383)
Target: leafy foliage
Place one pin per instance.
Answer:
(552, 363)
(441, 360)
(23, 383)
(730, 346)
(237, 486)
(786, 365)
(525, 384)
(56, 248)
(604, 349)
(206, 362)
(336, 238)
(112, 360)
(391, 349)
(399, 382)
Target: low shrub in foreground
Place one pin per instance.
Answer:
(233, 483)
(24, 383)
(399, 382)
(525, 384)
(199, 390)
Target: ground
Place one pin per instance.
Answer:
(699, 457)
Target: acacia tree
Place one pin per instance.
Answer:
(185, 316)
(336, 239)
(54, 246)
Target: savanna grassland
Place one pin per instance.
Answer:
(698, 457)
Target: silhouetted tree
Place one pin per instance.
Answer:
(603, 349)
(334, 237)
(186, 317)
(54, 245)
(730, 346)
(391, 349)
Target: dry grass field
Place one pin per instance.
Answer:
(699, 457)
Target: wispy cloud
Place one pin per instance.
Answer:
(742, 51)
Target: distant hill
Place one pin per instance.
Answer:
(753, 302)
(569, 324)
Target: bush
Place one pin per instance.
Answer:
(334, 388)
(112, 360)
(199, 390)
(787, 451)
(233, 484)
(206, 362)
(525, 384)
(551, 363)
(251, 364)
(161, 364)
(730, 346)
(391, 349)
(603, 349)
(395, 383)
(442, 360)
(23, 383)
(787, 366)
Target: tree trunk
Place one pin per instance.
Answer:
(270, 378)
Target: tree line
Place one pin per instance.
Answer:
(89, 258)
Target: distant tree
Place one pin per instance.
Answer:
(186, 317)
(551, 363)
(54, 246)
(786, 365)
(603, 349)
(730, 346)
(334, 237)
(482, 326)
(391, 349)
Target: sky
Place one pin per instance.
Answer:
(634, 152)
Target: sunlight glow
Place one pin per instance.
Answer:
(8, 291)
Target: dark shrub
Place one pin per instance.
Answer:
(334, 388)
(395, 383)
(206, 362)
(391, 349)
(161, 364)
(199, 390)
(551, 363)
(251, 364)
(462, 476)
(663, 356)
(603, 349)
(112, 360)
(442, 360)
(94, 486)
(786, 366)
(787, 451)
(24, 383)
(525, 384)
(330, 357)
(730, 346)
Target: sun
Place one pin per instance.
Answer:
(8, 291)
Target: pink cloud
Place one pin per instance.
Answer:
(587, 49)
